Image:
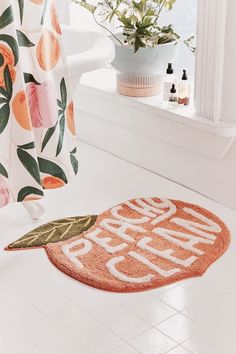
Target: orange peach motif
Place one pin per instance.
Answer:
(70, 118)
(51, 182)
(7, 58)
(37, 2)
(54, 18)
(48, 51)
(20, 110)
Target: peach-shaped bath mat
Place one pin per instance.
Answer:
(137, 245)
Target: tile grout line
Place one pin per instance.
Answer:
(165, 335)
(45, 315)
(119, 346)
(125, 308)
(177, 347)
(103, 324)
(83, 310)
(17, 329)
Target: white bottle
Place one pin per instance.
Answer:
(184, 90)
(168, 80)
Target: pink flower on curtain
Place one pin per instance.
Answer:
(43, 104)
(4, 192)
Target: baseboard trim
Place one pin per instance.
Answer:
(192, 170)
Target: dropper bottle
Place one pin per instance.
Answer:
(184, 90)
(173, 98)
(168, 80)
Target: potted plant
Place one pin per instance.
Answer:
(143, 46)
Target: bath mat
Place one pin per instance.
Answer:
(138, 245)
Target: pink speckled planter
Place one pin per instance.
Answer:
(138, 86)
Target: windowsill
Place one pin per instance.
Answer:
(103, 83)
(113, 116)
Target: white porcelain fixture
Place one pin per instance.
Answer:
(86, 51)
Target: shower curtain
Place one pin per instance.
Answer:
(37, 128)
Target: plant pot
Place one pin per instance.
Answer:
(140, 74)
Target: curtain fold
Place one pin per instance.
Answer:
(37, 128)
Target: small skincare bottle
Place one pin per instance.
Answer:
(173, 98)
(184, 90)
(168, 80)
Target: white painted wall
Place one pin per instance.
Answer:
(213, 178)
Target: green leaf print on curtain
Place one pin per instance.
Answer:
(37, 128)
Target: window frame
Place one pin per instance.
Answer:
(209, 74)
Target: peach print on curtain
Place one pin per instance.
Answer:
(37, 130)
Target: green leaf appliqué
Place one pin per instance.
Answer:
(55, 231)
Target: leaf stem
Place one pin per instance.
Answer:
(104, 27)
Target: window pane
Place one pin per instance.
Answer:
(184, 18)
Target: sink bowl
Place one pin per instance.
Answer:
(86, 51)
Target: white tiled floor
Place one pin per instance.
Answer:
(42, 311)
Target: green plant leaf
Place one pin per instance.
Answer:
(61, 135)
(74, 163)
(51, 168)
(54, 231)
(30, 164)
(27, 146)
(21, 10)
(23, 40)
(6, 18)
(26, 191)
(139, 21)
(91, 8)
(126, 22)
(48, 136)
(138, 44)
(169, 4)
(12, 44)
(3, 171)
(4, 116)
(30, 78)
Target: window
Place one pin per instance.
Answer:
(183, 16)
(213, 49)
